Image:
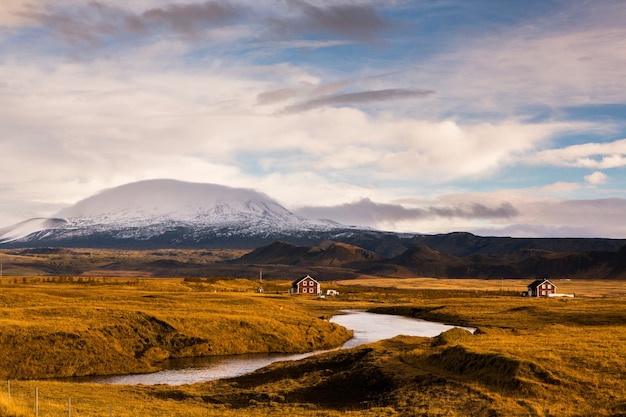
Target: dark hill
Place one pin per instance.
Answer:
(466, 244)
(334, 254)
(422, 261)
(418, 255)
(279, 253)
(342, 254)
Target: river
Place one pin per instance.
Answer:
(367, 328)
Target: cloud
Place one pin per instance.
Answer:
(449, 150)
(588, 155)
(276, 96)
(294, 23)
(95, 23)
(11, 13)
(305, 45)
(570, 58)
(565, 218)
(360, 22)
(596, 178)
(366, 212)
(218, 91)
(358, 98)
(192, 18)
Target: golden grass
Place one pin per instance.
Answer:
(529, 357)
(581, 288)
(123, 401)
(66, 329)
(575, 348)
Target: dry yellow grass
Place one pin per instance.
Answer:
(529, 357)
(65, 329)
(581, 288)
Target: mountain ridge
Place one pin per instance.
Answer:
(162, 211)
(175, 214)
(422, 261)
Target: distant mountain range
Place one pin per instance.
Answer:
(174, 214)
(422, 261)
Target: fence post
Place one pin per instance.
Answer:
(8, 391)
(36, 401)
(69, 407)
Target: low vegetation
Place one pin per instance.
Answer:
(527, 357)
(63, 328)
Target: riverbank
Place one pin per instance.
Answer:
(59, 329)
(366, 328)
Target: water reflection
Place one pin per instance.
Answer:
(367, 328)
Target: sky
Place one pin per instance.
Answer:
(501, 118)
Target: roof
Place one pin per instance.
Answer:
(538, 282)
(302, 279)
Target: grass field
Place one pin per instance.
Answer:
(73, 327)
(580, 288)
(528, 357)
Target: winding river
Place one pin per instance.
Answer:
(367, 328)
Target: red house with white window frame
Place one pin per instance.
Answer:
(305, 285)
(541, 288)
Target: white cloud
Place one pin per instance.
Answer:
(447, 150)
(80, 123)
(596, 178)
(587, 155)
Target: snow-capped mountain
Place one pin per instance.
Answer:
(165, 212)
(28, 227)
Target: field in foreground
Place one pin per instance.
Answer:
(528, 357)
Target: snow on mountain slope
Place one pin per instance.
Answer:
(27, 227)
(145, 209)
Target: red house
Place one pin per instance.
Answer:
(541, 288)
(305, 285)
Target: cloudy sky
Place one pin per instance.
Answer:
(495, 117)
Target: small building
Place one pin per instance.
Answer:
(305, 285)
(541, 288)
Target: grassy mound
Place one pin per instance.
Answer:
(389, 375)
(452, 336)
(496, 370)
(52, 330)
